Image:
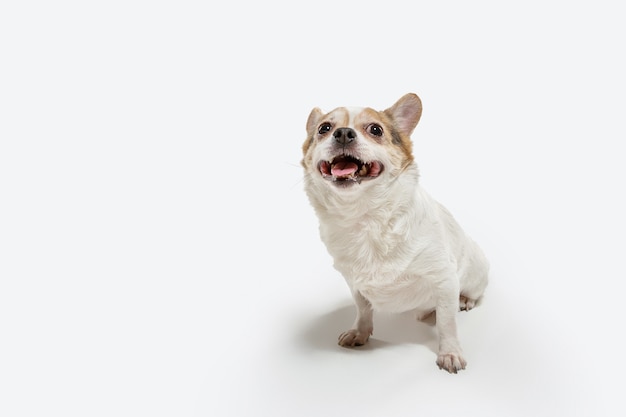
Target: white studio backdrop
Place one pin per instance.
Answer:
(157, 252)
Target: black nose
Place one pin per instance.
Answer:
(344, 136)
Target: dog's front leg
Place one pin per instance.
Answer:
(363, 325)
(450, 355)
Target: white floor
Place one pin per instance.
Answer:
(158, 256)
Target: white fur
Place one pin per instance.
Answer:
(398, 249)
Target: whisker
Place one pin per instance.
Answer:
(404, 168)
(300, 181)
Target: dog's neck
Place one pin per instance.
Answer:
(378, 203)
(364, 230)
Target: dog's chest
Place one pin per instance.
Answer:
(379, 263)
(369, 247)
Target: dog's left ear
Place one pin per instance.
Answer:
(406, 112)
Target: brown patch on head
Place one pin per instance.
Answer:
(337, 117)
(394, 132)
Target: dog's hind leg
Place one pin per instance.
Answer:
(466, 303)
(471, 296)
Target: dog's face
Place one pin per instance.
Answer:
(351, 148)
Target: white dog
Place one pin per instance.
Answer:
(398, 249)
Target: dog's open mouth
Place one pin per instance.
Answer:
(346, 169)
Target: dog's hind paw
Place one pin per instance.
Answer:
(466, 304)
(353, 337)
(451, 362)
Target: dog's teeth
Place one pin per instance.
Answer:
(363, 170)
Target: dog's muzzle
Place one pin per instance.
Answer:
(345, 169)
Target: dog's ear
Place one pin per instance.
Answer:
(314, 118)
(405, 113)
(311, 124)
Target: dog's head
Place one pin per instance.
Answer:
(352, 148)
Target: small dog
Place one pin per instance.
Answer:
(398, 249)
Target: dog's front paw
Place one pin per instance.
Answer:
(353, 337)
(451, 362)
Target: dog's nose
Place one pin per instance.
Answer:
(344, 136)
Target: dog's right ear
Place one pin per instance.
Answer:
(314, 118)
(311, 124)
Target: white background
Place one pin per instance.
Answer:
(158, 256)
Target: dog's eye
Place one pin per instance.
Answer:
(375, 129)
(324, 128)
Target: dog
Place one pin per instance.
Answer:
(397, 248)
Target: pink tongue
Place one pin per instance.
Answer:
(342, 169)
